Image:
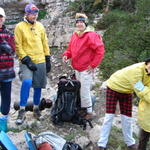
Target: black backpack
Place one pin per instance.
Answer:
(67, 104)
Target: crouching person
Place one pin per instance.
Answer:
(34, 55)
(120, 86)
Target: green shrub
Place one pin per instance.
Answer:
(86, 6)
(112, 17)
(42, 14)
(11, 22)
(127, 40)
(125, 5)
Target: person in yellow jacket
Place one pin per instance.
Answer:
(34, 54)
(144, 112)
(120, 86)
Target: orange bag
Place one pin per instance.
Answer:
(45, 146)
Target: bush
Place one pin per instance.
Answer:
(125, 5)
(86, 6)
(127, 39)
(42, 14)
(111, 18)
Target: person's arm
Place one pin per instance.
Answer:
(46, 51)
(11, 42)
(96, 44)
(19, 42)
(20, 52)
(67, 53)
(142, 91)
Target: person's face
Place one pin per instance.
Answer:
(80, 25)
(32, 17)
(2, 20)
(148, 67)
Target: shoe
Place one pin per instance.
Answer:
(132, 147)
(21, 117)
(101, 148)
(82, 112)
(37, 114)
(90, 116)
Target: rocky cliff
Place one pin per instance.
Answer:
(57, 21)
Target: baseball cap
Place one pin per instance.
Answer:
(2, 12)
(31, 9)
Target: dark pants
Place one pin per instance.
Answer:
(5, 89)
(143, 139)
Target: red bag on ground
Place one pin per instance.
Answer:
(45, 146)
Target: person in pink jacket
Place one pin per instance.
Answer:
(86, 51)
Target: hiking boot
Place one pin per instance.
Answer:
(132, 147)
(82, 112)
(37, 114)
(90, 116)
(21, 117)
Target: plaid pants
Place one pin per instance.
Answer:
(125, 102)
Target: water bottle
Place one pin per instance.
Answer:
(3, 123)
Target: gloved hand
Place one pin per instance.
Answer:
(27, 61)
(139, 86)
(48, 63)
(5, 48)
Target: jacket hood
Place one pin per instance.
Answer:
(88, 29)
(27, 21)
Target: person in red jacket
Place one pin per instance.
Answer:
(86, 51)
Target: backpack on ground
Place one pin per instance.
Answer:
(67, 105)
(55, 141)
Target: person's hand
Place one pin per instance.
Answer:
(27, 61)
(139, 86)
(48, 63)
(5, 48)
(64, 59)
(90, 69)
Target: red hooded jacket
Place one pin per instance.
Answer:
(85, 50)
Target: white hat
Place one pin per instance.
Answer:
(2, 12)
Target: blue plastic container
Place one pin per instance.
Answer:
(3, 124)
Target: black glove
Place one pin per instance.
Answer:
(27, 61)
(5, 48)
(48, 63)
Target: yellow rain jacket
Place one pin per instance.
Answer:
(31, 40)
(123, 81)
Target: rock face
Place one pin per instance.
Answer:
(58, 23)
